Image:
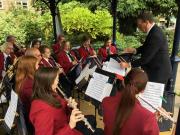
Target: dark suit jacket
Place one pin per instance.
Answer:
(48, 120)
(140, 122)
(154, 56)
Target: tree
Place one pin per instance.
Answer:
(127, 10)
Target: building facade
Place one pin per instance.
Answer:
(8, 4)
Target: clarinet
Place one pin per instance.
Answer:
(85, 120)
(59, 66)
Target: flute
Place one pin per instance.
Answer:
(157, 109)
(85, 120)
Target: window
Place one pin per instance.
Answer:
(1, 4)
(22, 3)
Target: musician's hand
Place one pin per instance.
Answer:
(158, 114)
(130, 50)
(74, 62)
(75, 117)
(72, 103)
(61, 70)
(124, 65)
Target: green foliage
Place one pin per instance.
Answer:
(21, 23)
(78, 19)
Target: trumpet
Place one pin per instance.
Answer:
(85, 120)
(163, 113)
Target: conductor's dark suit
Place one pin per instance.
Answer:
(154, 56)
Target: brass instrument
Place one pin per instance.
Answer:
(9, 73)
(85, 120)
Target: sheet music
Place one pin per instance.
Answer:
(11, 112)
(98, 88)
(114, 67)
(92, 70)
(153, 93)
(84, 74)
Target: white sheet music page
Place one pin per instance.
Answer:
(153, 93)
(11, 112)
(114, 67)
(84, 74)
(98, 88)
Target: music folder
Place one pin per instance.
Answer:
(100, 85)
(11, 112)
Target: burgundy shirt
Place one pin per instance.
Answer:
(140, 122)
(48, 120)
(26, 93)
(103, 52)
(85, 53)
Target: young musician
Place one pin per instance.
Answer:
(123, 113)
(107, 49)
(46, 60)
(27, 65)
(33, 52)
(50, 113)
(57, 47)
(5, 58)
(86, 50)
(36, 43)
(17, 50)
(65, 58)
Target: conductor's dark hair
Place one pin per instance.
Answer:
(146, 16)
(134, 83)
(42, 87)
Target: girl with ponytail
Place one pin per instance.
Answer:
(123, 113)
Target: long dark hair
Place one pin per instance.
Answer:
(134, 83)
(42, 88)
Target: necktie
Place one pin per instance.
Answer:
(70, 56)
(87, 51)
(7, 62)
(108, 51)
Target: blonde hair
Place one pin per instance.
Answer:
(5, 46)
(26, 68)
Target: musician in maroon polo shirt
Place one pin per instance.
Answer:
(65, 58)
(107, 49)
(123, 113)
(46, 60)
(57, 47)
(27, 65)
(86, 49)
(50, 113)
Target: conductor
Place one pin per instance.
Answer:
(154, 52)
